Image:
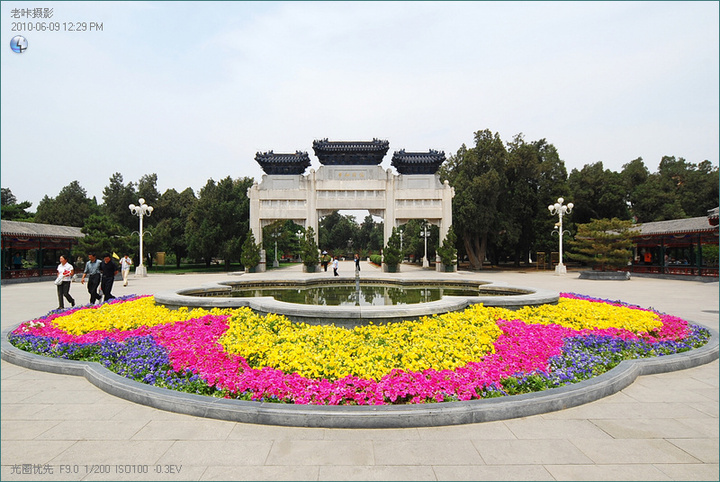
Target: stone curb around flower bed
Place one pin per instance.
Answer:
(379, 416)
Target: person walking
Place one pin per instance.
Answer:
(125, 264)
(92, 271)
(325, 260)
(108, 269)
(336, 265)
(65, 273)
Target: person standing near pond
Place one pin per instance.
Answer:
(336, 265)
(357, 262)
(65, 271)
(108, 269)
(92, 271)
(125, 264)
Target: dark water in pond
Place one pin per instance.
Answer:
(359, 295)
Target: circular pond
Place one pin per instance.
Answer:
(357, 294)
(355, 302)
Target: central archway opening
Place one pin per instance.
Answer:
(413, 243)
(344, 233)
(281, 242)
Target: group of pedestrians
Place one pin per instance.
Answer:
(100, 278)
(325, 260)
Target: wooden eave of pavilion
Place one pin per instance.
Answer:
(675, 227)
(22, 229)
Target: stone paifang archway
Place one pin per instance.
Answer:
(350, 178)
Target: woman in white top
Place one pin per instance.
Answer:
(125, 264)
(65, 271)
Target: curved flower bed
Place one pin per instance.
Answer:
(477, 353)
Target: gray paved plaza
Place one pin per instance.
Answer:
(662, 427)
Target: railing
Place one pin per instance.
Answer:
(683, 270)
(28, 273)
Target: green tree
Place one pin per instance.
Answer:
(284, 231)
(250, 256)
(117, 196)
(448, 251)
(147, 189)
(173, 210)
(12, 210)
(520, 206)
(103, 235)
(71, 207)
(597, 193)
(219, 221)
(603, 243)
(335, 230)
(679, 189)
(477, 174)
(551, 184)
(699, 192)
(309, 249)
(413, 244)
(370, 235)
(7, 197)
(392, 256)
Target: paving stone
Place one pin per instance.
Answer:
(562, 445)
(633, 451)
(426, 452)
(531, 452)
(607, 472)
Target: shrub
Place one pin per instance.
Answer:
(448, 252)
(391, 254)
(250, 256)
(309, 249)
(603, 243)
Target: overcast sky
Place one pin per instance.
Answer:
(192, 90)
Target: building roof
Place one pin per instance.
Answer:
(713, 215)
(272, 163)
(418, 162)
(676, 226)
(37, 230)
(347, 153)
(352, 146)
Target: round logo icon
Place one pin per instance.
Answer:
(19, 44)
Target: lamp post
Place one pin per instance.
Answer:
(402, 253)
(560, 209)
(276, 264)
(425, 233)
(141, 211)
(299, 234)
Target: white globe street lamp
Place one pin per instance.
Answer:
(299, 234)
(141, 211)
(276, 264)
(425, 233)
(402, 254)
(560, 209)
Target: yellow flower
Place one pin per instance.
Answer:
(440, 342)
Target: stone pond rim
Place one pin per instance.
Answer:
(513, 297)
